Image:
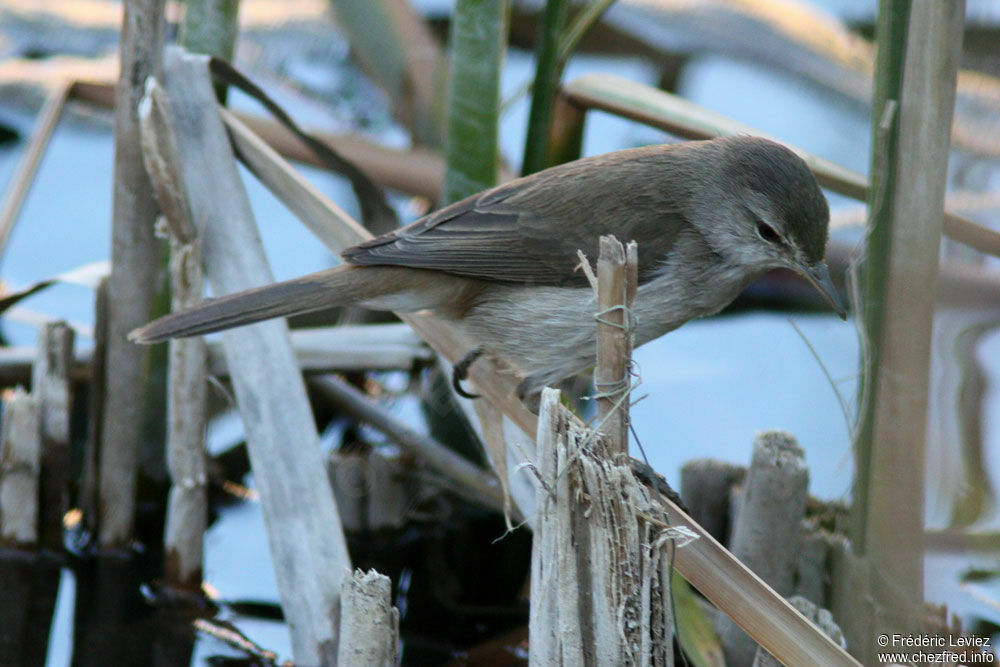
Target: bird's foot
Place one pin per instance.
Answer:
(460, 371)
(647, 475)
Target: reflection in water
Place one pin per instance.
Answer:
(959, 487)
(976, 497)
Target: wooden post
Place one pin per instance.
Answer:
(611, 379)
(20, 464)
(50, 384)
(369, 624)
(187, 391)
(768, 531)
(89, 485)
(705, 485)
(135, 261)
(307, 543)
(600, 568)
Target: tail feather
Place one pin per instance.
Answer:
(338, 286)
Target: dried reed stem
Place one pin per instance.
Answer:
(21, 182)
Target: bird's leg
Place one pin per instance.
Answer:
(529, 392)
(460, 371)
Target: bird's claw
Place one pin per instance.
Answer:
(460, 372)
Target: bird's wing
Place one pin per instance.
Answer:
(528, 231)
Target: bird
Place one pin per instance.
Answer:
(709, 217)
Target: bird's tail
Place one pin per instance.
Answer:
(339, 286)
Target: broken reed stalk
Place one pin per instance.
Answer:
(20, 183)
(767, 533)
(304, 533)
(899, 316)
(87, 498)
(614, 331)
(601, 568)
(135, 256)
(187, 381)
(211, 27)
(600, 562)
(20, 465)
(50, 385)
(187, 419)
(369, 624)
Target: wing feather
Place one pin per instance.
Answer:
(529, 230)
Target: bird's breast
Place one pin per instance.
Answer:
(542, 330)
(549, 333)
(692, 282)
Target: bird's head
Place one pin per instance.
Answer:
(766, 211)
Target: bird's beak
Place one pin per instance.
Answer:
(818, 275)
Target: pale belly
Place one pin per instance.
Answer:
(549, 333)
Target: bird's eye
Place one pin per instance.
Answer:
(767, 232)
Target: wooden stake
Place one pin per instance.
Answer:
(51, 387)
(611, 380)
(768, 533)
(369, 626)
(187, 399)
(89, 485)
(135, 255)
(20, 464)
(306, 540)
(600, 563)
